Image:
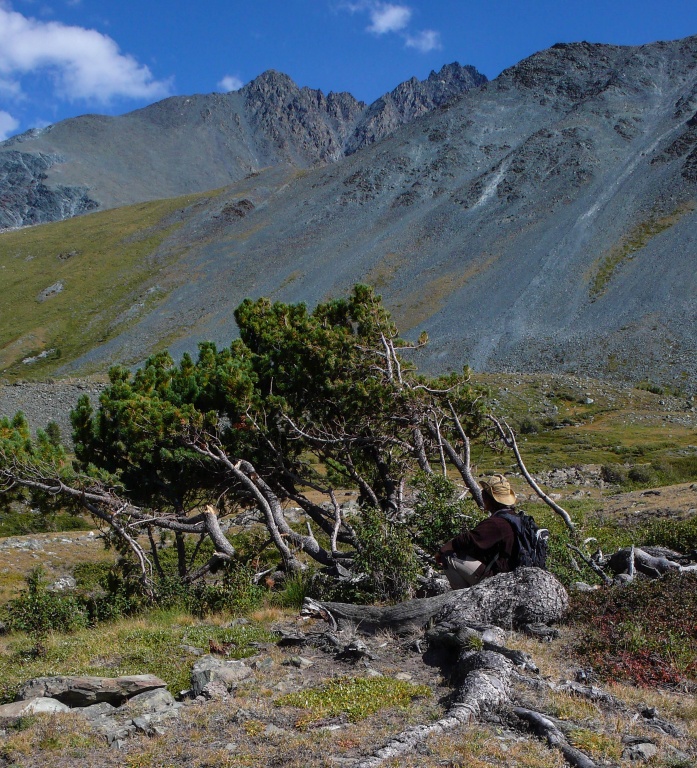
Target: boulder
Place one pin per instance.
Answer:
(83, 691)
(150, 702)
(32, 706)
(209, 668)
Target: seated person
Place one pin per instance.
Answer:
(488, 548)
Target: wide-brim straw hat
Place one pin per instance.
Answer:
(499, 489)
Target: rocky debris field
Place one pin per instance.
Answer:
(42, 402)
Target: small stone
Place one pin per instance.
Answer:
(216, 689)
(158, 700)
(142, 725)
(193, 650)
(209, 668)
(264, 663)
(274, 730)
(644, 751)
(494, 635)
(300, 662)
(405, 676)
(103, 709)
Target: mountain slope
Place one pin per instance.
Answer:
(545, 221)
(193, 143)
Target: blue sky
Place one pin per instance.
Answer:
(60, 58)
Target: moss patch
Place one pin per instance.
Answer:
(357, 698)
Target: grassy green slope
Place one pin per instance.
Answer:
(101, 261)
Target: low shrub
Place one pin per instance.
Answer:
(234, 592)
(386, 556)
(615, 474)
(38, 612)
(644, 632)
(439, 514)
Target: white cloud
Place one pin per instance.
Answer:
(394, 18)
(424, 41)
(386, 17)
(230, 83)
(8, 125)
(84, 63)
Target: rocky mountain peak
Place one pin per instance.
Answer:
(412, 99)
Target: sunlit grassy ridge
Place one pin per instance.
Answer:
(101, 262)
(563, 422)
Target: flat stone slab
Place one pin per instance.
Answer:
(84, 691)
(18, 709)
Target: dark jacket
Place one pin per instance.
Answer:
(492, 536)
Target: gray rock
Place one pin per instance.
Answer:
(95, 711)
(274, 730)
(494, 635)
(63, 584)
(216, 689)
(52, 290)
(193, 650)
(209, 668)
(151, 702)
(32, 706)
(264, 663)
(83, 691)
(642, 751)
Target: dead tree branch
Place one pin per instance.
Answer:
(508, 437)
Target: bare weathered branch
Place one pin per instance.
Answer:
(508, 437)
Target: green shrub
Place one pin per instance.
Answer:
(679, 535)
(293, 591)
(615, 474)
(439, 514)
(39, 612)
(641, 474)
(528, 426)
(385, 555)
(234, 592)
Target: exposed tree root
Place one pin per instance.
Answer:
(544, 727)
(525, 596)
(486, 686)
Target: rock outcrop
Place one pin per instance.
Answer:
(194, 143)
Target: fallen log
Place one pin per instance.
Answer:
(507, 600)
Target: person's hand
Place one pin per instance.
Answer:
(445, 550)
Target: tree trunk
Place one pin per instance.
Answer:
(525, 596)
